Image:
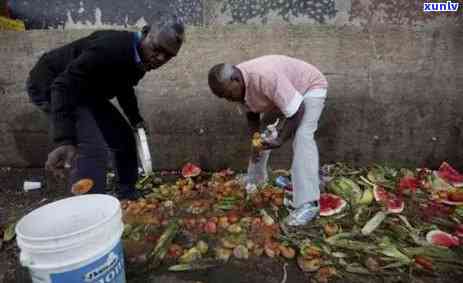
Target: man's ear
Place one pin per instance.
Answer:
(235, 77)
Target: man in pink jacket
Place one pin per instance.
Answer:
(297, 90)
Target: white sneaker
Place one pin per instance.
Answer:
(303, 214)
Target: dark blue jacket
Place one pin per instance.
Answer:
(99, 66)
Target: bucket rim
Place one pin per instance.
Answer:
(25, 245)
(91, 227)
(116, 240)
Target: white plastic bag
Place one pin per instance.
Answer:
(257, 173)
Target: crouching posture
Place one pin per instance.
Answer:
(74, 83)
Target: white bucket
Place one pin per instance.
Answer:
(74, 240)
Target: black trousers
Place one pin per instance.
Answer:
(100, 129)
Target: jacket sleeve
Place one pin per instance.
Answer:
(76, 80)
(129, 104)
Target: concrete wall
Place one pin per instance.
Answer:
(396, 86)
(121, 13)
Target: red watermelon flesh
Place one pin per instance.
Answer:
(393, 203)
(408, 183)
(381, 195)
(190, 170)
(440, 238)
(331, 204)
(450, 175)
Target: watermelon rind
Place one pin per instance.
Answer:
(330, 212)
(431, 238)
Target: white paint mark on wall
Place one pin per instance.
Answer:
(98, 14)
(98, 22)
(69, 20)
(81, 9)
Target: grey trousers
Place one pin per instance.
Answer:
(305, 164)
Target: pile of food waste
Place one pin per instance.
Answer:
(376, 221)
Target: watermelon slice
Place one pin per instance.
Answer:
(380, 194)
(440, 238)
(408, 183)
(190, 170)
(393, 203)
(450, 175)
(331, 204)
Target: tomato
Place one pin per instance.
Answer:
(210, 227)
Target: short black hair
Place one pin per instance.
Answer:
(215, 79)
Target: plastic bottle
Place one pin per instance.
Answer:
(282, 182)
(271, 132)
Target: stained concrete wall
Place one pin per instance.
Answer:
(121, 13)
(395, 86)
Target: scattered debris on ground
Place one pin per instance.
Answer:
(376, 221)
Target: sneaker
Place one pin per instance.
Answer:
(289, 205)
(303, 214)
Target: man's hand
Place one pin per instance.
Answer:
(60, 159)
(272, 144)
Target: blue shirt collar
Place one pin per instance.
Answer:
(136, 42)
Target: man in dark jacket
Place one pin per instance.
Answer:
(73, 85)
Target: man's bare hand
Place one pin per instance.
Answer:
(272, 144)
(60, 159)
